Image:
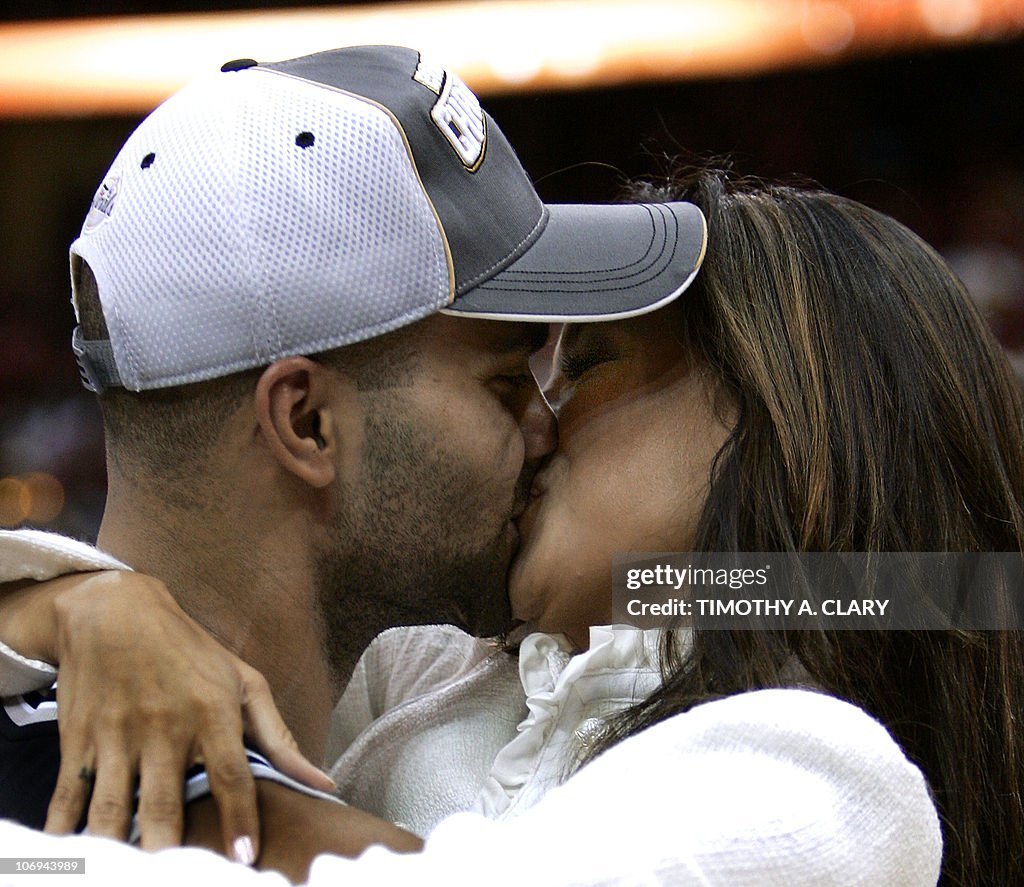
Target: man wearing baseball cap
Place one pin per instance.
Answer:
(287, 285)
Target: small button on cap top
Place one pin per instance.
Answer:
(238, 65)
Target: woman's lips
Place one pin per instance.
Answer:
(550, 473)
(525, 521)
(542, 482)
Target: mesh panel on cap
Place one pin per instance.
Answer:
(348, 203)
(237, 245)
(169, 247)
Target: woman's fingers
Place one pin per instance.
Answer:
(113, 794)
(271, 735)
(221, 751)
(234, 790)
(145, 690)
(71, 795)
(161, 812)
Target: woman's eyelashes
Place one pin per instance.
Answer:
(576, 363)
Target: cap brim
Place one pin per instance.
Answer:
(595, 262)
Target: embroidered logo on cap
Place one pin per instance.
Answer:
(456, 113)
(103, 202)
(430, 74)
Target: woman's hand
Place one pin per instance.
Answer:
(144, 693)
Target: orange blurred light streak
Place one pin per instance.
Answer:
(128, 64)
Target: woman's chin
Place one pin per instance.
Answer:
(519, 586)
(530, 578)
(537, 579)
(521, 576)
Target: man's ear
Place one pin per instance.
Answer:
(298, 407)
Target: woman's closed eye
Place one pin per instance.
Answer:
(575, 364)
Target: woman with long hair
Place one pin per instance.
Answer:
(868, 409)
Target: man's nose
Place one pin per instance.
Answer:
(540, 431)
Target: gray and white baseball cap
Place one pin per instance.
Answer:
(290, 208)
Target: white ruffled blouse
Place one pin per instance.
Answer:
(474, 727)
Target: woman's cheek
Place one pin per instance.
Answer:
(534, 578)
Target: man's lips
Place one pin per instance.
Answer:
(521, 502)
(525, 521)
(518, 509)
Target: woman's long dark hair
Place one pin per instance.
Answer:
(875, 413)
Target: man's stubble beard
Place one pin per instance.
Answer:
(414, 545)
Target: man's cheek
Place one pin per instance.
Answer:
(506, 461)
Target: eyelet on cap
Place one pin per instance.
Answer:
(238, 65)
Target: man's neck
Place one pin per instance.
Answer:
(249, 583)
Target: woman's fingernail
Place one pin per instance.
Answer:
(242, 850)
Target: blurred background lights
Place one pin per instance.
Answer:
(951, 18)
(14, 502)
(36, 498)
(828, 27)
(129, 63)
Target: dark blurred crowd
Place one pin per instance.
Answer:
(936, 140)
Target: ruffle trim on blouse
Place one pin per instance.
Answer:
(623, 660)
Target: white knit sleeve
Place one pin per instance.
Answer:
(104, 862)
(778, 787)
(33, 554)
